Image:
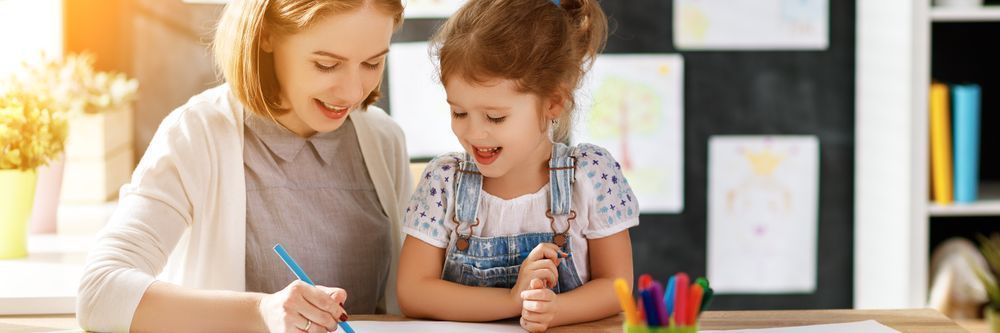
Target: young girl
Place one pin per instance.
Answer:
(289, 150)
(519, 224)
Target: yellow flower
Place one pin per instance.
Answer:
(75, 86)
(31, 132)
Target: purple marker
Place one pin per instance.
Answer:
(657, 289)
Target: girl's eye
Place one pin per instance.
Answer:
(495, 120)
(373, 66)
(325, 67)
(456, 114)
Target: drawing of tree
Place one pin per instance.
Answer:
(623, 107)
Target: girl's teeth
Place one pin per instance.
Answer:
(486, 150)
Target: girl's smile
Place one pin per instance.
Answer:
(486, 155)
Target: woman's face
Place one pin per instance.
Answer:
(327, 70)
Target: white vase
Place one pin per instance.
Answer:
(43, 213)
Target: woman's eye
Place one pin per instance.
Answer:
(373, 66)
(326, 67)
(456, 114)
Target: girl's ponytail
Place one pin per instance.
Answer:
(589, 28)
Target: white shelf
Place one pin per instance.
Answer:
(987, 205)
(47, 280)
(980, 14)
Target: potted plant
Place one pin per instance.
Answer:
(990, 247)
(32, 132)
(98, 157)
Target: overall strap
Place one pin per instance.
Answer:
(562, 167)
(468, 186)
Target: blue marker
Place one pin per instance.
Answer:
(668, 296)
(649, 307)
(302, 276)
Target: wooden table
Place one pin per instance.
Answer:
(906, 321)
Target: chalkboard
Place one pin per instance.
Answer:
(743, 92)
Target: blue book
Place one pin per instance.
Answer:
(965, 105)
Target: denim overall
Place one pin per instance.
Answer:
(495, 261)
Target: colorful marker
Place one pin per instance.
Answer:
(661, 310)
(649, 301)
(668, 296)
(625, 298)
(696, 294)
(681, 297)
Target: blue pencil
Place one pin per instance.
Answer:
(302, 276)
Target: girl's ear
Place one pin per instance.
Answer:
(554, 106)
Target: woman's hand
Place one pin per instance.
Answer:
(538, 307)
(303, 308)
(540, 264)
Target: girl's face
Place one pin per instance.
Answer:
(502, 128)
(328, 69)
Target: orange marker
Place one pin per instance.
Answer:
(696, 294)
(625, 298)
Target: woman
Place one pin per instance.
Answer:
(289, 150)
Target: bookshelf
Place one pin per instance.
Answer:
(987, 205)
(902, 45)
(984, 14)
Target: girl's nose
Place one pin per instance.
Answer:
(477, 130)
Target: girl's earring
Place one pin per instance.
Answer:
(552, 130)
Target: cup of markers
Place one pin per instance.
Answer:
(674, 309)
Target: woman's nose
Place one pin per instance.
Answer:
(349, 87)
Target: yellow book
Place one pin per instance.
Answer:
(940, 125)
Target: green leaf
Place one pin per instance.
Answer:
(989, 283)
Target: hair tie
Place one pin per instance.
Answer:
(557, 3)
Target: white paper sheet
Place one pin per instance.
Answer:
(762, 208)
(431, 8)
(751, 24)
(417, 101)
(434, 326)
(633, 106)
(868, 326)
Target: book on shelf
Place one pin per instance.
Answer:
(940, 137)
(965, 106)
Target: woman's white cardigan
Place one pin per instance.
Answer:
(182, 219)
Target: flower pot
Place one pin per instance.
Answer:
(17, 192)
(99, 158)
(43, 215)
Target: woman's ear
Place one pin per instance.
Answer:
(266, 42)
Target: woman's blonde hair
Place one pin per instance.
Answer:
(544, 47)
(249, 70)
